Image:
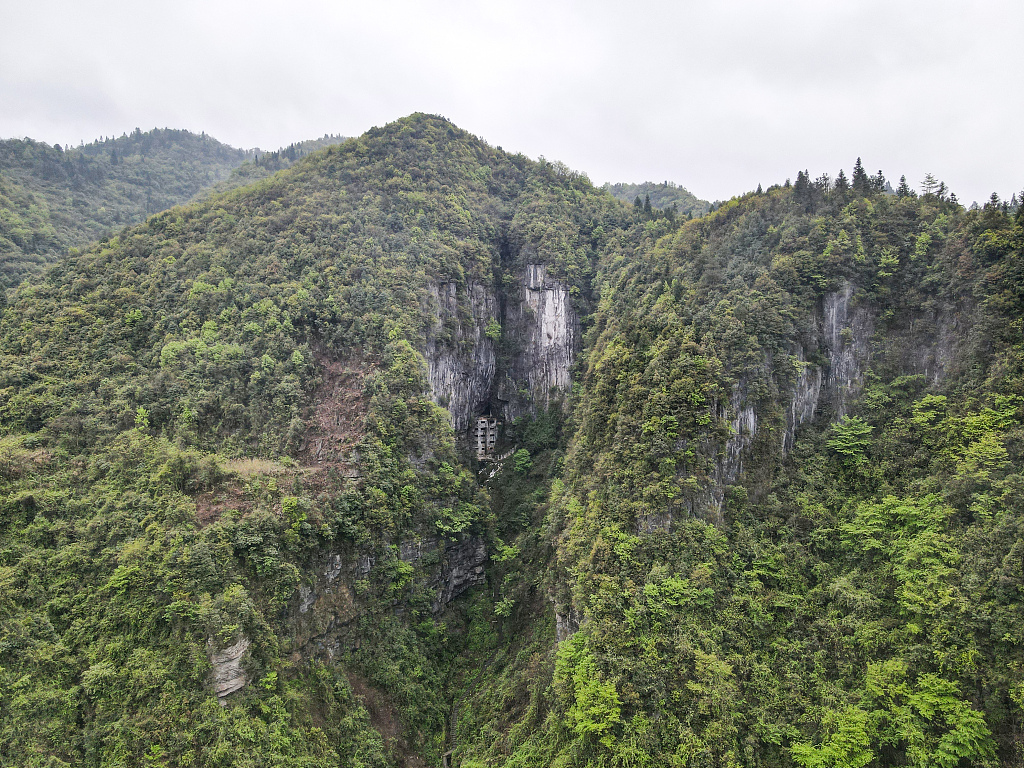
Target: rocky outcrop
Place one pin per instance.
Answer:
(567, 622)
(461, 363)
(840, 333)
(540, 331)
(804, 402)
(324, 608)
(726, 464)
(228, 675)
(846, 333)
(546, 330)
(840, 336)
(462, 567)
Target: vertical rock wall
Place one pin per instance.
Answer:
(540, 333)
(846, 335)
(461, 362)
(545, 336)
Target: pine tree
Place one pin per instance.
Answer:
(903, 190)
(801, 187)
(930, 185)
(648, 211)
(861, 183)
(842, 185)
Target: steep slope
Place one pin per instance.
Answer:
(790, 522)
(756, 497)
(226, 479)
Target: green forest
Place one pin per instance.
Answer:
(54, 198)
(664, 196)
(775, 519)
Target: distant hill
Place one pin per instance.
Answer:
(52, 199)
(662, 196)
(264, 164)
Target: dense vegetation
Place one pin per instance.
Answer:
(664, 196)
(52, 199)
(156, 396)
(264, 164)
(856, 604)
(665, 586)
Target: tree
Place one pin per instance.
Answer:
(904, 190)
(842, 185)
(930, 185)
(861, 183)
(802, 189)
(851, 438)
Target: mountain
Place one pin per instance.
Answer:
(264, 164)
(662, 196)
(229, 409)
(755, 495)
(788, 523)
(52, 199)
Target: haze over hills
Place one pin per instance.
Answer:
(755, 496)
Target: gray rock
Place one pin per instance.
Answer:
(228, 675)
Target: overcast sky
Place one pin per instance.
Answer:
(718, 96)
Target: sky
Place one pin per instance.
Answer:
(718, 96)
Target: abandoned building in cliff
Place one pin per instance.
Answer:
(486, 437)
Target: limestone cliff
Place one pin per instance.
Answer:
(820, 378)
(539, 339)
(461, 357)
(326, 606)
(546, 338)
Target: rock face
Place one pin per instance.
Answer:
(846, 334)
(462, 568)
(461, 362)
(448, 567)
(806, 393)
(228, 675)
(567, 622)
(547, 332)
(839, 338)
(539, 328)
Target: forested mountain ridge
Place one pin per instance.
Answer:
(756, 499)
(155, 379)
(789, 527)
(663, 196)
(53, 199)
(263, 163)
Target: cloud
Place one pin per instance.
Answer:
(717, 96)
